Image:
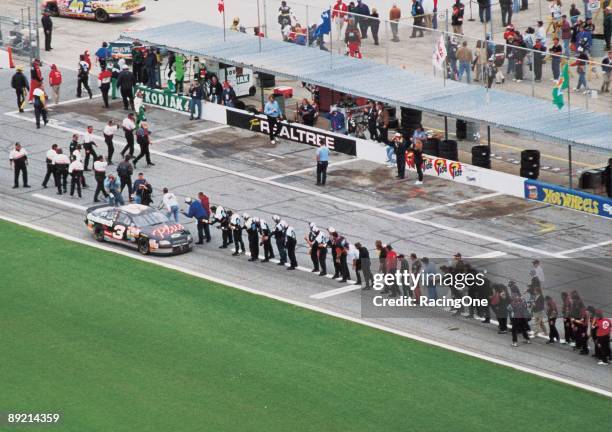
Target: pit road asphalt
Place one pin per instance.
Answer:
(362, 200)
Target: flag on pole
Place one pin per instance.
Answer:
(562, 84)
(221, 6)
(439, 54)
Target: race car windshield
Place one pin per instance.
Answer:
(150, 218)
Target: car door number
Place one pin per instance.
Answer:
(118, 232)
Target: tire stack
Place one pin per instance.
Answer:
(461, 129)
(530, 164)
(431, 147)
(447, 149)
(591, 179)
(410, 119)
(265, 80)
(481, 156)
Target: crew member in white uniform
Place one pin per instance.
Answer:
(51, 153)
(18, 160)
(76, 171)
(61, 163)
(100, 175)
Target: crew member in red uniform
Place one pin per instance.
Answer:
(603, 337)
(104, 80)
(36, 78)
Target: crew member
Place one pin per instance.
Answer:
(311, 240)
(266, 241)
(236, 227)
(603, 337)
(104, 81)
(291, 242)
(363, 264)
(321, 241)
(73, 144)
(109, 133)
(221, 217)
(128, 125)
(76, 172)
(50, 156)
(99, 167)
(18, 160)
(273, 112)
(83, 77)
(125, 171)
(88, 146)
(335, 260)
(142, 137)
(341, 246)
(60, 164)
(126, 82)
(197, 211)
(47, 24)
(206, 206)
(417, 151)
(322, 163)
(400, 147)
(40, 105)
(251, 226)
(279, 234)
(20, 83)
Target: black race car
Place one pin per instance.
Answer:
(138, 226)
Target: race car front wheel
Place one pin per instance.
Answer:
(101, 16)
(99, 233)
(143, 246)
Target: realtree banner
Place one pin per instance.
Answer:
(292, 131)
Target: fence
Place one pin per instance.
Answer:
(21, 34)
(409, 43)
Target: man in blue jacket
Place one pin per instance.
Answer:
(362, 19)
(197, 211)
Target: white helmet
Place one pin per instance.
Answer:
(188, 200)
(276, 218)
(312, 226)
(331, 230)
(256, 220)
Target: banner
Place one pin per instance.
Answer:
(568, 198)
(295, 132)
(164, 99)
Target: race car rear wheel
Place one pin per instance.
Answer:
(101, 15)
(99, 233)
(143, 246)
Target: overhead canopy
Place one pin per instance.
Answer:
(393, 85)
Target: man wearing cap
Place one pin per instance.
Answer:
(290, 243)
(126, 82)
(236, 225)
(114, 189)
(266, 241)
(104, 82)
(103, 54)
(99, 167)
(279, 235)
(197, 211)
(322, 163)
(47, 28)
(20, 83)
(602, 335)
(321, 242)
(311, 240)
(142, 137)
(55, 81)
(252, 228)
(222, 217)
(40, 105)
(339, 247)
(60, 168)
(400, 147)
(18, 159)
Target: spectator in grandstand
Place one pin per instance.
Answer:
(306, 112)
(581, 68)
(395, 14)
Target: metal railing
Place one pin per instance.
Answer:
(20, 33)
(410, 42)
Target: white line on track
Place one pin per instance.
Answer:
(336, 291)
(275, 155)
(185, 135)
(314, 308)
(59, 201)
(328, 197)
(587, 247)
(313, 169)
(452, 204)
(51, 105)
(494, 254)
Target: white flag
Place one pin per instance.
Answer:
(439, 54)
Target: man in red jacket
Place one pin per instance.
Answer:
(339, 16)
(55, 81)
(391, 266)
(603, 337)
(36, 78)
(206, 206)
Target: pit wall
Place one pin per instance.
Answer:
(495, 181)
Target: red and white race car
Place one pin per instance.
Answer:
(100, 10)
